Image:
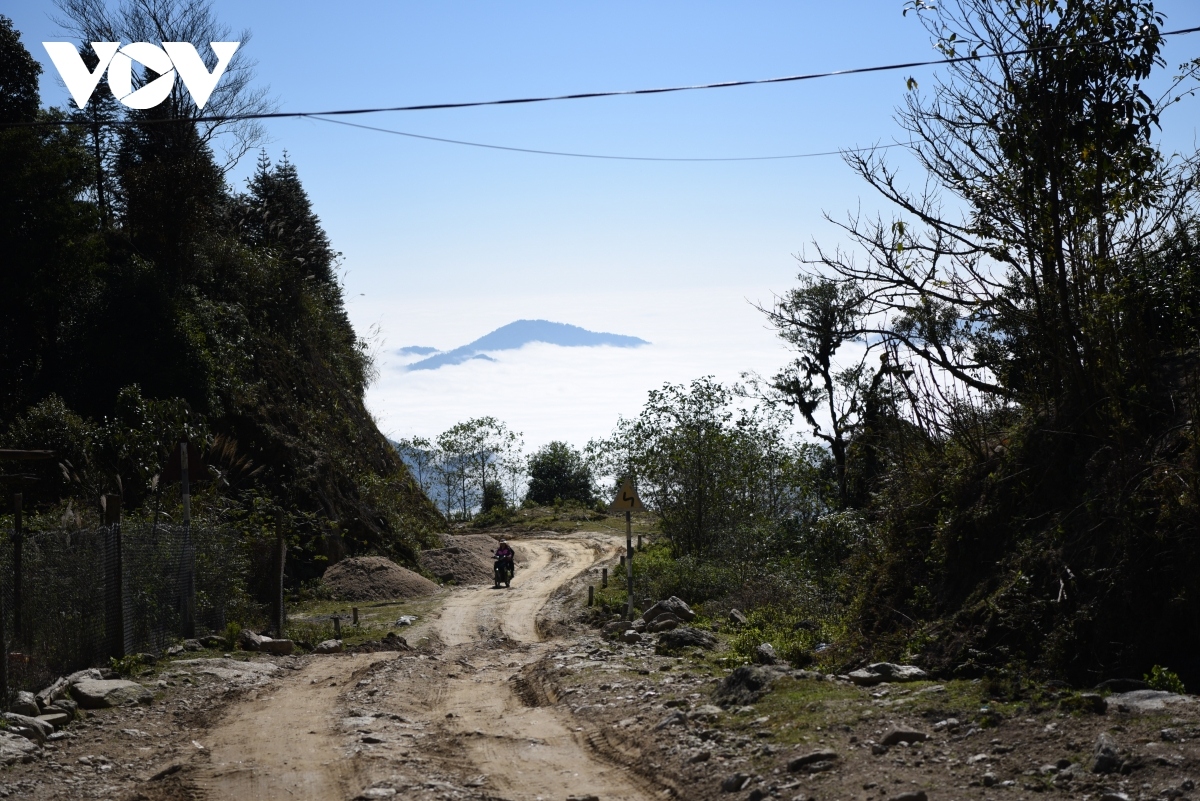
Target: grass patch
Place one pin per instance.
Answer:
(311, 621)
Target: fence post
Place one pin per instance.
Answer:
(629, 565)
(603, 578)
(189, 553)
(18, 545)
(591, 595)
(280, 563)
(4, 640)
(114, 582)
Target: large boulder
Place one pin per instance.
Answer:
(28, 727)
(26, 704)
(672, 605)
(15, 748)
(102, 693)
(685, 637)
(886, 671)
(328, 647)
(746, 684)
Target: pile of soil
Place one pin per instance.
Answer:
(466, 559)
(375, 578)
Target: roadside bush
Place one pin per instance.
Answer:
(1160, 678)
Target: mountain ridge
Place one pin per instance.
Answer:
(519, 333)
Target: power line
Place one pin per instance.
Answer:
(598, 155)
(589, 95)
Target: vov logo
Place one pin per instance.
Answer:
(172, 57)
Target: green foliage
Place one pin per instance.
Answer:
(789, 631)
(558, 471)
(724, 480)
(151, 303)
(1160, 678)
(129, 665)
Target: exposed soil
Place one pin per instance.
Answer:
(466, 559)
(375, 578)
(505, 697)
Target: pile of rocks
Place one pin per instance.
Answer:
(660, 618)
(38, 717)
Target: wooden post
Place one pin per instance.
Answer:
(189, 555)
(622, 561)
(354, 615)
(337, 627)
(591, 595)
(280, 564)
(629, 565)
(603, 578)
(639, 546)
(114, 613)
(18, 545)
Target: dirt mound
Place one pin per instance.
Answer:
(374, 578)
(466, 559)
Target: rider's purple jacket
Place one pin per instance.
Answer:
(504, 552)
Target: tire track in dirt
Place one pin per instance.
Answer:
(454, 709)
(525, 752)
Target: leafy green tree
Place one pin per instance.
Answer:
(19, 101)
(726, 481)
(559, 472)
(817, 319)
(1003, 271)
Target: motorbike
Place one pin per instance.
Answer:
(503, 572)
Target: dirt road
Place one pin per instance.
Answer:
(395, 725)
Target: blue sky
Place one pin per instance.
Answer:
(444, 243)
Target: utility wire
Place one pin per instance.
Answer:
(974, 56)
(597, 155)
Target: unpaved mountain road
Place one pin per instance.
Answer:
(450, 722)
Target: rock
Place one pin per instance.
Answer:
(735, 783)
(663, 623)
(329, 647)
(676, 718)
(212, 641)
(745, 685)
(174, 650)
(1104, 755)
(90, 673)
(757, 794)
(686, 637)
(1148, 700)
(14, 748)
(60, 688)
(63, 705)
(614, 627)
(631, 637)
(249, 641)
(583, 798)
(899, 735)
(919, 795)
(737, 618)
(276, 647)
(949, 724)
(812, 758)
(672, 605)
(706, 712)
(101, 693)
(192, 645)
(764, 654)
(638, 625)
(56, 719)
(30, 728)
(886, 671)
(1111, 796)
(26, 704)
(700, 756)
(878, 750)
(989, 779)
(1121, 685)
(406, 620)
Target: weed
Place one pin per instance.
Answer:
(1161, 678)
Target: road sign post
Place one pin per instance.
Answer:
(627, 501)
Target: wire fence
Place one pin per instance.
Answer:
(75, 598)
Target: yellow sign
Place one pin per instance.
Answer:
(627, 499)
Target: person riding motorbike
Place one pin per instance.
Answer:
(504, 561)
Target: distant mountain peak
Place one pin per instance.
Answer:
(516, 335)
